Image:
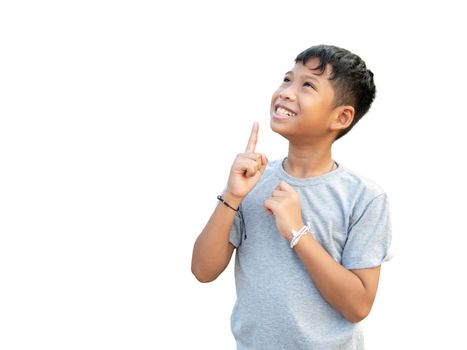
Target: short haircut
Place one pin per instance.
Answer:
(352, 81)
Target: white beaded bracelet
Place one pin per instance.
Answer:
(296, 235)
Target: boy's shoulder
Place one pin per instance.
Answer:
(363, 190)
(358, 179)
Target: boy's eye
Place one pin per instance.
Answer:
(309, 84)
(286, 80)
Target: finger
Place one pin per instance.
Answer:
(270, 205)
(279, 193)
(284, 186)
(278, 199)
(251, 171)
(250, 158)
(253, 156)
(250, 148)
(264, 163)
(249, 166)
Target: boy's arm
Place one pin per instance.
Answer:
(351, 292)
(212, 250)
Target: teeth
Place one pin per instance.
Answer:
(283, 111)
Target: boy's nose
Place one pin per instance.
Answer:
(287, 94)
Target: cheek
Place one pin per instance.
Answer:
(275, 95)
(313, 104)
(274, 98)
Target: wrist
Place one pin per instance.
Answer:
(297, 234)
(233, 200)
(289, 235)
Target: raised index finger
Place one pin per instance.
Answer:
(250, 147)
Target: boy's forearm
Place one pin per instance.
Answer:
(341, 288)
(212, 250)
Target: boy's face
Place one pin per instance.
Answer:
(303, 105)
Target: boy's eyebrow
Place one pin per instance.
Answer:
(305, 76)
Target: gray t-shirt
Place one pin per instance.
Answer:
(278, 306)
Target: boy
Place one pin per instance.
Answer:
(310, 234)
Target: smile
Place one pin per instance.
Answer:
(283, 113)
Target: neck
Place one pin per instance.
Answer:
(308, 161)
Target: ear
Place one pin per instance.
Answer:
(344, 117)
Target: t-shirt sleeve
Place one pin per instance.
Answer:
(236, 232)
(369, 236)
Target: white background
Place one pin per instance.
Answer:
(119, 121)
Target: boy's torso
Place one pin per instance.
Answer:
(278, 305)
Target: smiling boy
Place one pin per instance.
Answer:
(310, 235)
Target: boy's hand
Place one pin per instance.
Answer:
(284, 204)
(247, 168)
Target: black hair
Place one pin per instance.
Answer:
(352, 81)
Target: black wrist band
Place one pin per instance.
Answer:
(219, 197)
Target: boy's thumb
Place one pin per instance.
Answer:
(264, 163)
(284, 186)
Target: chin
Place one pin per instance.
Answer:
(281, 129)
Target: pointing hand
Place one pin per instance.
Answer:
(247, 168)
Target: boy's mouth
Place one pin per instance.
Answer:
(282, 112)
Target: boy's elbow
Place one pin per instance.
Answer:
(200, 276)
(203, 279)
(358, 314)
(357, 318)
